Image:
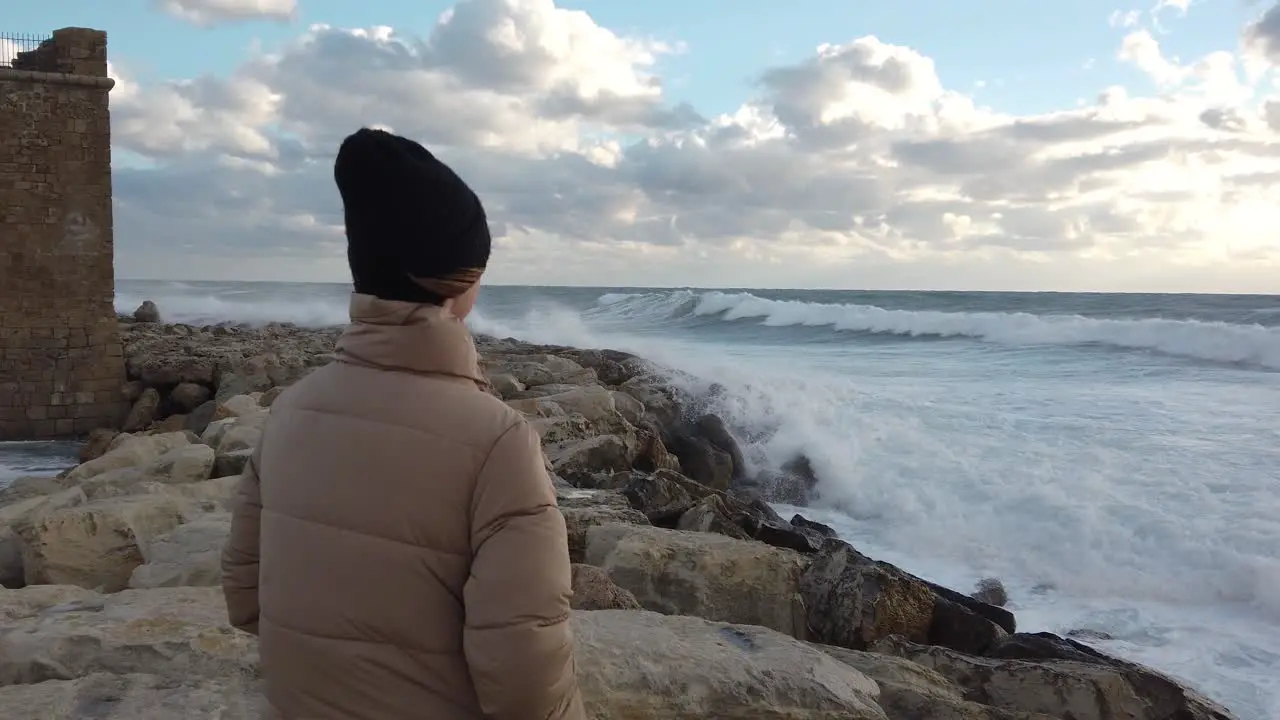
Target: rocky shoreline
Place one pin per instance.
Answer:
(684, 575)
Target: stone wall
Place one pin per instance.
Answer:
(61, 369)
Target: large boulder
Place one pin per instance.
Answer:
(189, 555)
(603, 453)
(704, 575)
(909, 691)
(594, 590)
(585, 509)
(646, 666)
(96, 544)
(852, 601)
(20, 513)
(55, 632)
(1060, 688)
(104, 696)
(128, 451)
(145, 410)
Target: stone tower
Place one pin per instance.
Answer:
(61, 367)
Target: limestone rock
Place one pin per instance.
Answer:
(17, 514)
(237, 406)
(636, 664)
(711, 515)
(104, 696)
(190, 554)
(593, 590)
(269, 397)
(97, 544)
(95, 446)
(661, 499)
(585, 509)
(852, 602)
(704, 575)
(587, 457)
(231, 463)
(129, 451)
(144, 411)
(61, 633)
(187, 464)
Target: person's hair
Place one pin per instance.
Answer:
(451, 285)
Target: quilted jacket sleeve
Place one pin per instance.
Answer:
(240, 554)
(517, 638)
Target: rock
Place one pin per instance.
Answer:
(652, 455)
(551, 370)
(641, 665)
(701, 574)
(957, 627)
(186, 464)
(991, 591)
(198, 420)
(593, 590)
(147, 312)
(631, 409)
(1060, 688)
(173, 423)
(16, 514)
(712, 515)
(852, 602)
(209, 496)
(97, 544)
(237, 406)
(132, 390)
(186, 397)
(585, 509)
(252, 377)
(603, 453)
(231, 463)
(104, 696)
(144, 411)
(662, 500)
(660, 401)
(909, 691)
(713, 429)
(95, 446)
(190, 554)
(795, 483)
(701, 460)
(269, 397)
(613, 367)
(825, 531)
(62, 633)
(505, 384)
(129, 451)
(997, 615)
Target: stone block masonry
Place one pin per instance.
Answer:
(61, 366)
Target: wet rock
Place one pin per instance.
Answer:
(991, 591)
(147, 312)
(701, 460)
(661, 499)
(711, 514)
(852, 601)
(825, 531)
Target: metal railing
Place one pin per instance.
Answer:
(27, 51)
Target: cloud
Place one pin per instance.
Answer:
(211, 12)
(854, 167)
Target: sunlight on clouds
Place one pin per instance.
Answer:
(854, 165)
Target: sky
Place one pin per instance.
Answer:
(930, 144)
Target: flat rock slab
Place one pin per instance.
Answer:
(102, 696)
(639, 665)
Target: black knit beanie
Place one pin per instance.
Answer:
(407, 214)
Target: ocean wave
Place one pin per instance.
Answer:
(1224, 342)
(181, 305)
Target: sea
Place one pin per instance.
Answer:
(1114, 459)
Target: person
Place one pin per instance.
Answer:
(395, 542)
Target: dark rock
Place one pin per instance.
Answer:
(1087, 634)
(956, 627)
(711, 514)
(653, 455)
(132, 390)
(199, 419)
(851, 601)
(795, 483)
(991, 591)
(997, 615)
(700, 460)
(187, 396)
(147, 312)
(825, 531)
(607, 481)
(712, 428)
(231, 463)
(1165, 697)
(661, 499)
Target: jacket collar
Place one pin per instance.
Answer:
(394, 335)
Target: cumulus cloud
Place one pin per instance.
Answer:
(211, 12)
(853, 167)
